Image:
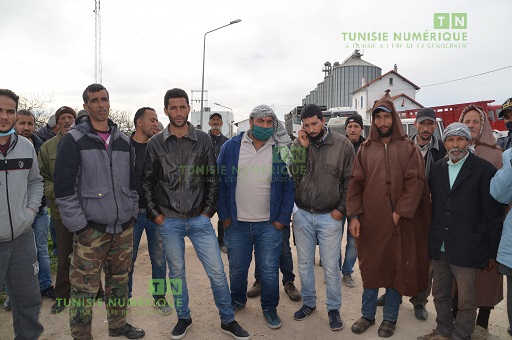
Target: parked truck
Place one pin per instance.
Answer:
(451, 113)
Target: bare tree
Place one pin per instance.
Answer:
(38, 104)
(123, 119)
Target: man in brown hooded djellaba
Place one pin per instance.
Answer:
(388, 205)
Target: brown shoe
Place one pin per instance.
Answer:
(292, 291)
(434, 335)
(480, 333)
(362, 325)
(386, 329)
(255, 290)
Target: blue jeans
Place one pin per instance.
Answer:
(200, 232)
(155, 249)
(285, 260)
(308, 227)
(350, 253)
(266, 241)
(391, 305)
(40, 227)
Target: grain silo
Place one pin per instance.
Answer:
(342, 79)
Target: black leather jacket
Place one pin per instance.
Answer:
(179, 177)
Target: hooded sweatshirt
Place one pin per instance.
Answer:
(21, 188)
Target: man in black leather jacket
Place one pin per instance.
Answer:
(181, 186)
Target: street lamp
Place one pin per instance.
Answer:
(224, 107)
(204, 52)
(231, 123)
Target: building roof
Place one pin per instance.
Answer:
(416, 87)
(357, 61)
(406, 96)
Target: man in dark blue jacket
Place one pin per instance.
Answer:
(255, 204)
(25, 126)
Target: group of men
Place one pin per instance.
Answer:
(407, 206)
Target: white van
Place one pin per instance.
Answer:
(410, 130)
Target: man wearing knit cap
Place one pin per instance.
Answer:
(464, 233)
(388, 205)
(506, 113)
(255, 204)
(353, 128)
(47, 155)
(321, 167)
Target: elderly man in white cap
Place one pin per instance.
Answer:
(255, 204)
(464, 233)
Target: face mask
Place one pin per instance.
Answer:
(317, 137)
(262, 133)
(508, 125)
(3, 134)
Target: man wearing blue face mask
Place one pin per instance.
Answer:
(506, 113)
(255, 204)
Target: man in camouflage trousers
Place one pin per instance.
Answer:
(95, 192)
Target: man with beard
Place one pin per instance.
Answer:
(146, 125)
(47, 156)
(464, 234)
(181, 188)
(21, 190)
(353, 127)
(25, 126)
(506, 113)
(218, 139)
(432, 150)
(321, 168)
(388, 205)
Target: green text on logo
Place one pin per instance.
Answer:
(158, 286)
(446, 21)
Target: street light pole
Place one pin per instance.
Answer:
(204, 53)
(224, 107)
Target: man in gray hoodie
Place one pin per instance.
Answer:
(21, 190)
(95, 191)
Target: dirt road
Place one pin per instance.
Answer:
(206, 322)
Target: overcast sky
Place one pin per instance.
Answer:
(273, 56)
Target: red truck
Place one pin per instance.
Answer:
(451, 113)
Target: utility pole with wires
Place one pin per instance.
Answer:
(97, 46)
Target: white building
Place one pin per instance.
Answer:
(401, 90)
(227, 119)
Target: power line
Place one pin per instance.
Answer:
(475, 75)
